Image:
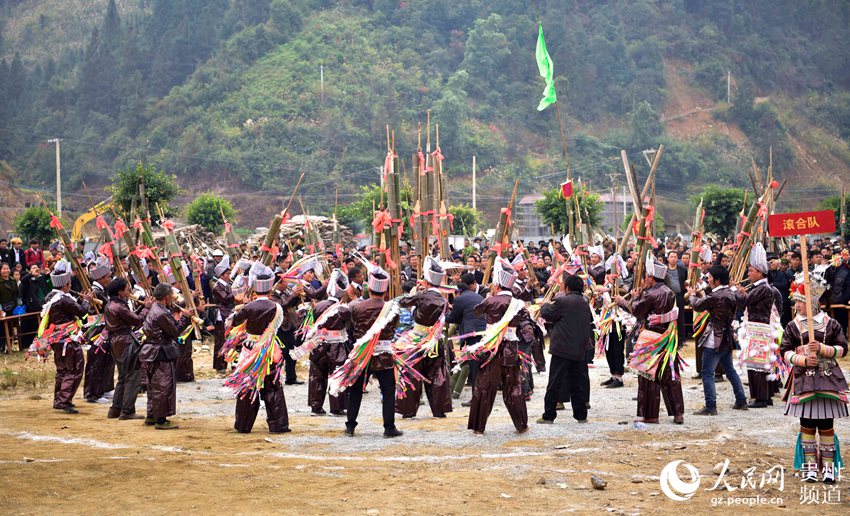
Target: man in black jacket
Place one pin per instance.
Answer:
(718, 340)
(463, 314)
(571, 337)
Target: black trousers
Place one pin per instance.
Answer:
(386, 380)
(567, 375)
(288, 339)
(127, 387)
(474, 365)
(615, 355)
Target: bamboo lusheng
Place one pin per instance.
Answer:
(440, 209)
(147, 239)
(70, 253)
(106, 237)
(637, 207)
(644, 225)
(499, 244)
(175, 260)
(135, 261)
(392, 185)
(696, 244)
(744, 241)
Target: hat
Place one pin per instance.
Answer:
(61, 274)
(518, 262)
(379, 280)
(655, 269)
(503, 273)
(758, 258)
(101, 269)
(434, 273)
(337, 284)
(217, 252)
(262, 278)
(818, 286)
(222, 266)
(597, 250)
(243, 265)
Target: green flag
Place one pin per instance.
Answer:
(545, 66)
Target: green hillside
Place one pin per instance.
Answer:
(227, 94)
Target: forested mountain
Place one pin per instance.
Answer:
(227, 93)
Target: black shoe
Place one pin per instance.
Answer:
(393, 432)
(770, 402)
(408, 416)
(337, 413)
(705, 411)
(318, 412)
(607, 382)
(294, 382)
(466, 404)
(284, 430)
(718, 378)
(440, 415)
(126, 417)
(757, 404)
(587, 405)
(615, 384)
(741, 406)
(149, 421)
(70, 410)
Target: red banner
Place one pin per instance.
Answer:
(567, 189)
(802, 223)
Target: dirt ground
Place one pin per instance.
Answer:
(51, 462)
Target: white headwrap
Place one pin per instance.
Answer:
(758, 258)
(222, 266)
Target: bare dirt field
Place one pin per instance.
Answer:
(51, 462)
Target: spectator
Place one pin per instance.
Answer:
(33, 255)
(776, 276)
(676, 277)
(8, 298)
(838, 278)
(34, 289)
(16, 254)
(5, 252)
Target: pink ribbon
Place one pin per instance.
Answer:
(120, 228)
(55, 223)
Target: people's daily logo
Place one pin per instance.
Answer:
(674, 487)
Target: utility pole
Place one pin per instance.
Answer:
(58, 177)
(729, 87)
(474, 186)
(322, 81)
(616, 228)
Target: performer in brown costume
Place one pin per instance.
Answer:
(333, 350)
(429, 307)
(258, 315)
(121, 322)
(223, 298)
(759, 303)
(656, 299)
(504, 367)
(62, 309)
(160, 351)
(100, 367)
(381, 365)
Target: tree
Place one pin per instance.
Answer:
(645, 125)
(552, 208)
(722, 209)
(466, 220)
(207, 210)
(834, 203)
(160, 188)
(34, 222)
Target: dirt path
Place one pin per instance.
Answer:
(108, 466)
